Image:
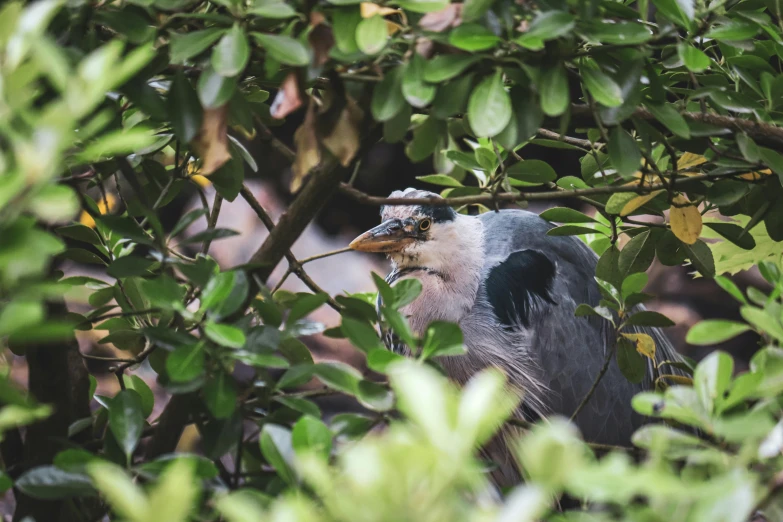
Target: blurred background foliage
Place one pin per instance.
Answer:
(130, 131)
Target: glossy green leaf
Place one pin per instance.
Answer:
(284, 49)
(553, 89)
(126, 420)
(231, 54)
(489, 107)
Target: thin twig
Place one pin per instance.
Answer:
(216, 206)
(577, 142)
(600, 376)
(325, 254)
(294, 266)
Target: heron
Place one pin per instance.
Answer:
(513, 291)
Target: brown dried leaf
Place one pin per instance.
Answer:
(287, 99)
(211, 143)
(439, 21)
(308, 153)
(321, 38)
(343, 140)
(425, 47)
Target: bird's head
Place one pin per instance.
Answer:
(409, 231)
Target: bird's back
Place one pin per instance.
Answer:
(564, 351)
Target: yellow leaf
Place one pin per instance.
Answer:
(105, 206)
(368, 10)
(644, 344)
(392, 28)
(637, 202)
(685, 220)
(308, 150)
(200, 180)
(754, 176)
(690, 159)
(677, 379)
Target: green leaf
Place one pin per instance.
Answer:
(694, 59)
(565, 215)
(548, 25)
(734, 30)
(632, 364)
(225, 335)
(649, 318)
(184, 108)
(210, 234)
(220, 395)
(304, 304)
(126, 227)
(712, 377)
(277, 447)
(731, 288)
(185, 363)
(214, 89)
(420, 6)
(375, 396)
(126, 420)
(372, 35)
(473, 37)
(638, 254)
(387, 98)
(443, 338)
(284, 49)
(231, 54)
(489, 107)
(570, 230)
(344, 23)
(714, 331)
(361, 334)
(338, 376)
(442, 180)
(733, 233)
(474, 9)
(187, 220)
(276, 10)
(405, 292)
(701, 257)
(415, 91)
(446, 66)
(763, 321)
(129, 266)
(80, 233)
(380, 358)
(553, 89)
(532, 171)
(137, 384)
(633, 284)
(311, 436)
(620, 33)
(670, 118)
(50, 483)
(184, 46)
(624, 152)
(600, 85)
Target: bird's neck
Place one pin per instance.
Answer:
(449, 269)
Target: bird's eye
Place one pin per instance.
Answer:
(425, 224)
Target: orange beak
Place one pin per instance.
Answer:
(389, 236)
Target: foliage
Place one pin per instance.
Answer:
(676, 105)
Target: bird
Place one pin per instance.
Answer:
(513, 291)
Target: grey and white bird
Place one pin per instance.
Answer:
(513, 290)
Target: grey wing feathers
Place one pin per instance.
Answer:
(570, 351)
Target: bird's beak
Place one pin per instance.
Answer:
(389, 236)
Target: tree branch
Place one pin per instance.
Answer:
(487, 199)
(762, 133)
